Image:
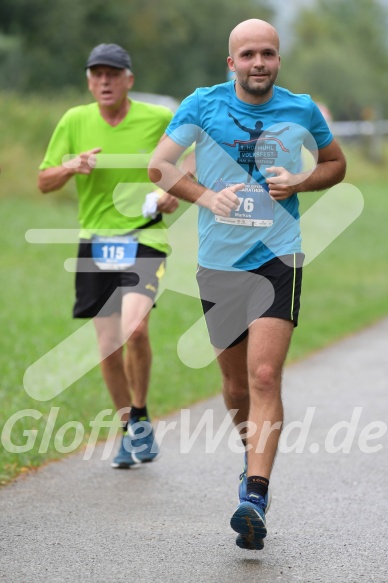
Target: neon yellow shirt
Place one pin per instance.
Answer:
(112, 195)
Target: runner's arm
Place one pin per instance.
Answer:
(54, 178)
(51, 179)
(163, 171)
(330, 170)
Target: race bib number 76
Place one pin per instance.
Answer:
(255, 208)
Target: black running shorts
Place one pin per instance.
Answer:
(95, 289)
(231, 300)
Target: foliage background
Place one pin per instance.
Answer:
(338, 51)
(334, 49)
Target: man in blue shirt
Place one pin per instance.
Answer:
(248, 136)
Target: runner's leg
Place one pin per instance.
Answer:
(233, 365)
(135, 316)
(268, 343)
(110, 343)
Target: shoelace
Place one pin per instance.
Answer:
(140, 423)
(258, 501)
(141, 428)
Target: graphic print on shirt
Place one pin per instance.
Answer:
(257, 151)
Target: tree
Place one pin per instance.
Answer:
(176, 45)
(340, 56)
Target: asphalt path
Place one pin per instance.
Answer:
(168, 521)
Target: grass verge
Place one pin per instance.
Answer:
(345, 289)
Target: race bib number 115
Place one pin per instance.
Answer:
(114, 253)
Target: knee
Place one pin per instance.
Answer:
(109, 347)
(111, 357)
(235, 389)
(264, 379)
(138, 335)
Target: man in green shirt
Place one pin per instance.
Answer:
(122, 249)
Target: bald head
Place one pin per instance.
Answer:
(253, 29)
(254, 59)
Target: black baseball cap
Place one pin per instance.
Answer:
(111, 55)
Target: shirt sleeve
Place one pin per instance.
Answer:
(321, 135)
(59, 145)
(184, 128)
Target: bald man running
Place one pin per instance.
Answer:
(250, 257)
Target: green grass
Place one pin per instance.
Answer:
(37, 299)
(345, 289)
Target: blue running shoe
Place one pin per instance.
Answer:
(124, 459)
(145, 448)
(248, 521)
(242, 489)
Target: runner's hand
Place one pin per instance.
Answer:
(85, 162)
(167, 203)
(223, 202)
(283, 185)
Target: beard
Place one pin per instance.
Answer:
(257, 90)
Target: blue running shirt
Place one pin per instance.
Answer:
(235, 142)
